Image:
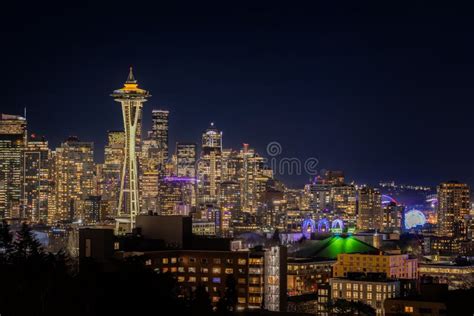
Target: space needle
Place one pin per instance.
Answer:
(131, 98)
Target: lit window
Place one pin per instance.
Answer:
(204, 279)
(165, 261)
(181, 269)
(116, 245)
(181, 279)
(242, 300)
(242, 281)
(229, 271)
(408, 309)
(173, 260)
(148, 262)
(192, 269)
(216, 270)
(192, 279)
(216, 280)
(242, 262)
(217, 261)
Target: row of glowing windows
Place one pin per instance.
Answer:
(447, 271)
(292, 267)
(240, 261)
(215, 270)
(364, 258)
(218, 280)
(360, 295)
(369, 287)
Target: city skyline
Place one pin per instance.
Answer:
(231, 159)
(375, 115)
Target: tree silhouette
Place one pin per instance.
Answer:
(228, 303)
(341, 307)
(26, 246)
(6, 241)
(201, 302)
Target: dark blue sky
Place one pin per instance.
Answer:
(381, 91)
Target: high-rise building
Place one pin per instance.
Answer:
(229, 198)
(334, 177)
(344, 201)
(149, 191)
(12, 142)
(393, 214)
(210, 165)
(74, 178)
(212, 139)
(186, 159)
(370, 209)
(453, 205)
(37, 185)
(114, 155)
(159, 133)
(131, 98)
(174, 194)
(93, 209)
(320, 193)
(252, 177)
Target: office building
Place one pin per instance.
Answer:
(370, 212)
(453, 205)
(73, 175)
(12, 143)
(186, 154)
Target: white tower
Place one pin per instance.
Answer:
(131, 98)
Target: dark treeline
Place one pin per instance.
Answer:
(35, 282)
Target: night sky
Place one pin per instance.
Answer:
(380, 91)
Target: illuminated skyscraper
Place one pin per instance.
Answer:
(229, 198)
(370, 209)
(12, 142)
(334, 177)
(149, 191)
(37, 186)
(212, 139)
(320, 193)
(110, 182)
(253, 178)
(344, 201)
(453, 205)
(210, 165)
(393, 214)
(74, 178)
(159, 133)
(175, 193)
(186, 159)
(131, 98)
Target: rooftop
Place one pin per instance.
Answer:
(330, 247)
